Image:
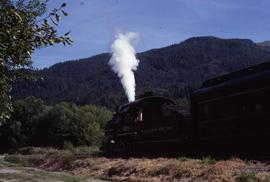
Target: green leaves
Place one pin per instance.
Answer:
(64, 13)
(17, 15)
(55, 125)
(66, 34)
(46, 23)
(69, 41)
(54, 22)
(2, 61)
(57, 17)
(63, 5)
(20, 34)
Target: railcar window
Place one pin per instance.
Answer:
(218, 109)
(227, 108)
(259, 107)
(244, 108)
(236, 106)
(200, 112)
(167, 110)
(204, 111)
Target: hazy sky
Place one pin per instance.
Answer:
(94, 23)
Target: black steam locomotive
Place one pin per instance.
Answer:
(227, 114)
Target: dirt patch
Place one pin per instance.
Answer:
(8, 171)
(29, 174)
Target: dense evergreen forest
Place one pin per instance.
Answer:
(172, 71)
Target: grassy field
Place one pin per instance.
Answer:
(84, 163)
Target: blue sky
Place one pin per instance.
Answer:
(94, 23)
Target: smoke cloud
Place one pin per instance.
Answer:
(124, 62)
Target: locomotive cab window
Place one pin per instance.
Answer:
(167, 109)
(139, 117)
(152, 111)
(149, 115)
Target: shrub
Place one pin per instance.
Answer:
(208, 160)
(20, 129)
(248, 177)
(64, 125)
(68, 145)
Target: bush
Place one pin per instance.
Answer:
(35, 124)
(20, 129)
(208, 160)
(68, 146)
(248, 177)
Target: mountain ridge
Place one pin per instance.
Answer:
(169, 71)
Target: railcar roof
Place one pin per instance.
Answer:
(141, 100)
(238, 74)
(154, 98)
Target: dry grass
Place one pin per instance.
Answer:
(84, 162)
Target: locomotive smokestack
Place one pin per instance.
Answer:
(124, 62)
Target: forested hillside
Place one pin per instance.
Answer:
(170, 71)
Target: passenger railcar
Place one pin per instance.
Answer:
(233, 110)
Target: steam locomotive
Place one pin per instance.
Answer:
(227, 114)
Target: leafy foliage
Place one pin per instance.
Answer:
(172, 71)
(20, 34)
(33, 123)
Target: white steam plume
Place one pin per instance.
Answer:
(124, 62)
